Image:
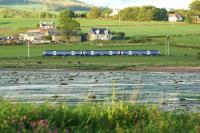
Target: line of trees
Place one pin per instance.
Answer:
(13, 13)
(149, 13)
(144, 13)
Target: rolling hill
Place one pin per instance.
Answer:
(45, 5)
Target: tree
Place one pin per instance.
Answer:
(94, 13)
(147, 13)
(195, 7)
(67, 25)
(106, 12)
(67, 13)
(162, 14)
(129, 13)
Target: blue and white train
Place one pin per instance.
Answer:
(101, 53)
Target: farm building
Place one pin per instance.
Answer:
(35, 36)
(175, 18)
(47, 25)
(61, 38)
(103, 34)
(6, 39)
(115, 12)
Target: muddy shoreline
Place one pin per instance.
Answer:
(145, 69)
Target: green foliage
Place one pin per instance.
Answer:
(45, 15)
(144, 13)
(49, 37)
(94, 13)
(67, 25)
(195, 10)
(107, 118)
(45, 5)
(129, 13)
(67, 13)
(162, 14)
(198, 55)
(188, 20)
(12, 13)
(106, 12)
(139, 39)
(195, 5)
(118, 35)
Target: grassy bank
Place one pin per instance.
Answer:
(99, 63)
(98, 118)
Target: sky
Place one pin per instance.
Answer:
(177, 4)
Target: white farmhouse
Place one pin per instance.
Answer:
(34, 36)
(115, 12)
(175, 18)
(103, 34)
(47, 25)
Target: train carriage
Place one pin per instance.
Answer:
(127, 52)
(101, 53)
(75, 53)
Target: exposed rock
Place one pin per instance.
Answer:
(63, 84)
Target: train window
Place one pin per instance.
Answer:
(110, 52)
(54, 53)
(148, 52)
(92, 52)
(73, 52)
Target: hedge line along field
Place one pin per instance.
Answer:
(131, 28)
(98, 118)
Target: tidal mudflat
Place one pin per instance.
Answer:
(168, 90)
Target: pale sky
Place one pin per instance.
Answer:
(177, 4)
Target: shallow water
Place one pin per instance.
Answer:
(171, 91)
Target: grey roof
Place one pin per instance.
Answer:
(101, 31)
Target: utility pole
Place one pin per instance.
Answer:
(119, 19)
(28, 50)
(167, 50)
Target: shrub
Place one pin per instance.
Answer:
(49, 37)
(118, 36)
(198, 55)
(103, 117)
(137, 40)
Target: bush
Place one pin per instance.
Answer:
(137, 40)
(199, 55)
(108, 118)
(188, 20)
(118, 36)
(49, 37)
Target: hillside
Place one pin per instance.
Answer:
(45, 5)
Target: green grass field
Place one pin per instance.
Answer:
(36, 50)
(184, 50)
(178, 57)
(129, 27)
